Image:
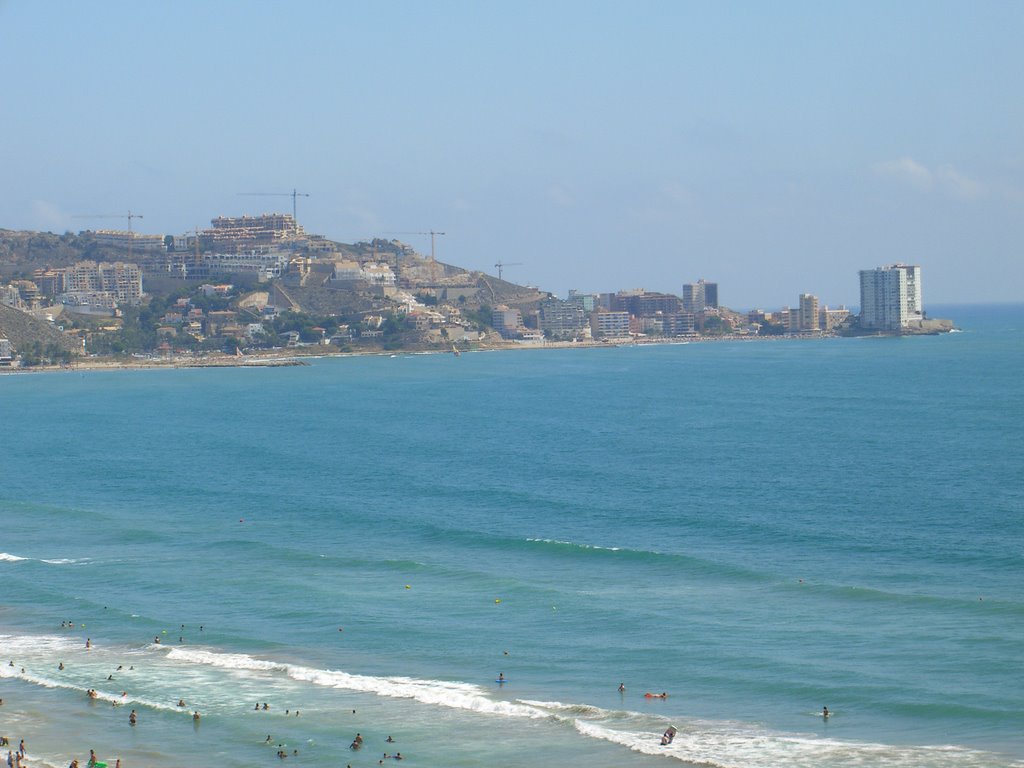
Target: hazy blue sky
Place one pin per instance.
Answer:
(775, 147)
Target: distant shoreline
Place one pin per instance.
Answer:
(298, 356)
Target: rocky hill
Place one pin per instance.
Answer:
(24, 330)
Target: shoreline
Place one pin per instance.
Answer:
(275, 358)
(298, 356)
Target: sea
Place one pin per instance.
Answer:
(366, 545)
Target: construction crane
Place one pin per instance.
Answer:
(129, 216)
(294, 195)
(502, 264)
(431, 233)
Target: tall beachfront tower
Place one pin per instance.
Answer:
(699, 296)
(890, 297)
(809, 312)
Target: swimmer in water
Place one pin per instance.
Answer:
(622, 687)
(501, 677)
(825, 712)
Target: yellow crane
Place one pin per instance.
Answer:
(432, 233)
(294, 195)
(129, 216)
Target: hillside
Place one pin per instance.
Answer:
(24, 331)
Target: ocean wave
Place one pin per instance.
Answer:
(583, 546)
(740, 746)
(7, 557)
(454, 695)
(707, 743)
(715, 744)
(108, 696)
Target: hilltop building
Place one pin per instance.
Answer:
(890, 297)
(134, 241)
(248, 233)
(49, 281)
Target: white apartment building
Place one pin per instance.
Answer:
(890, 297)
(120, 280)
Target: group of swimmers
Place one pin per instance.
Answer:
(357, 744)
(648, 695)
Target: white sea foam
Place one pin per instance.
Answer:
(574, 544)
(743, 746)
(716, 744)
(712, 743)
(6, 556)
(454, 695)
(108, 696)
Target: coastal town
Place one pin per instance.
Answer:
(252, 288)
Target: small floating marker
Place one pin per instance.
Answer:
(497, 599)
(165, 631)
(408, 587)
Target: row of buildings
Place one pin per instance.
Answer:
(612, 315)
(890, 296)
(85, 285)
(259, 245)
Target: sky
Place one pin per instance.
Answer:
(773, 148)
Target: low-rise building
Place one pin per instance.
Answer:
(508, 321)
(609, 325)
(832, 318)
(263, 264)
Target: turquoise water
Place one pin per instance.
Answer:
(759, 529)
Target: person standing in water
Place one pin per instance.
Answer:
(824, 712)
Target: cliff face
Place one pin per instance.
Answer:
(23, 330)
